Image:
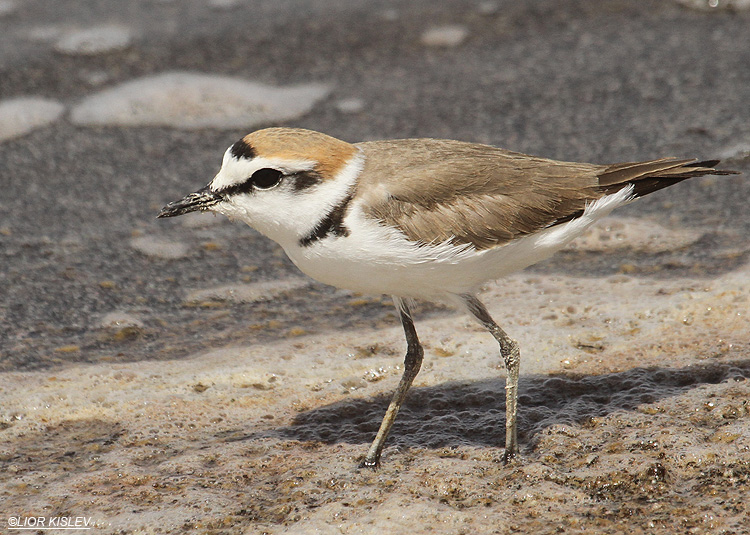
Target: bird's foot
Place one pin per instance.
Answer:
(510, 456)
(371, 464)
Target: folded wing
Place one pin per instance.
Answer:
(467, 193)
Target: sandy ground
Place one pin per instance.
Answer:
(634, 411)
(163, 377)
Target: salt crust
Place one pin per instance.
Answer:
(7, 7)
(713, 5)
(96, 40)
(159, 248)
(196, 100)
(445, 36)
(19, 116)
(636, 234)
(248, 293)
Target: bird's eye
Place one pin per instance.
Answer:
(266, 178)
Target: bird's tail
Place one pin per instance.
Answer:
(647, 177)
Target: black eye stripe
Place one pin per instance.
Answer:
(261, 179)
(305, 179)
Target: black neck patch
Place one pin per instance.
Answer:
(241, 149)
(332, 223)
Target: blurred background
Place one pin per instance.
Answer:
(111, 109)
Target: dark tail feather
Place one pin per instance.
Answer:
(647, 177)
(706, 163)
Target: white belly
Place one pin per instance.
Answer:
(377, 260)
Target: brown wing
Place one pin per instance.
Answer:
(474, 194)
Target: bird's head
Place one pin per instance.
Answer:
(280, 181)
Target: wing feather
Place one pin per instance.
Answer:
(466, 193)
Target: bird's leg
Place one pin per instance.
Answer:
(512, 358)
(412, 363)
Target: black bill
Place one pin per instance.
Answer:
(200, 200)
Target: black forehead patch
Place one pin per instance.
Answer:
(242, 149)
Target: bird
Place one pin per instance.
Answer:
(420, 219)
